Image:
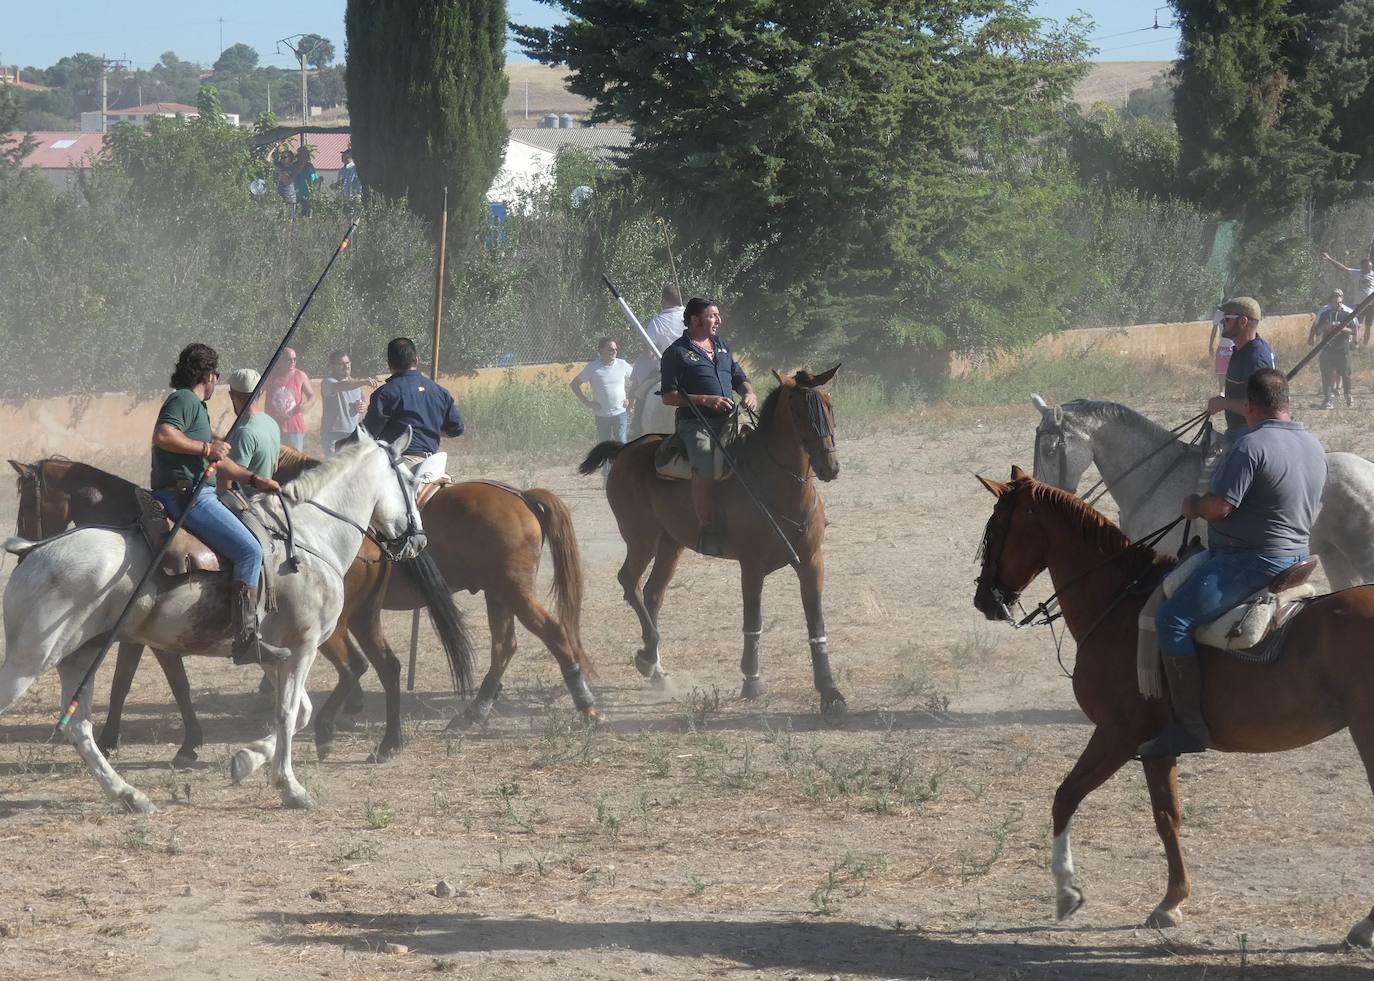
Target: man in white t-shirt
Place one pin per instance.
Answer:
(341, 401)
(607, 377)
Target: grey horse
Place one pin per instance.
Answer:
(1116, 439)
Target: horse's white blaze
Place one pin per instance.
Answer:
(67, 594)
(1061, 860)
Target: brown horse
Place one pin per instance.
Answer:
(1324, 682)
(793, 445)
(55, 493)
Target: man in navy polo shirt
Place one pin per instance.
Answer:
(1240, 317)
(409, 398)
(698, 370)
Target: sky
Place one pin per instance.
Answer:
(140, 30)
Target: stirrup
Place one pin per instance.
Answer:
(1173, 740)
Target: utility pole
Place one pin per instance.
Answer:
(105, 64)
(296, 44)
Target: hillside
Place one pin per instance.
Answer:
(1110, 81)
(546, 94)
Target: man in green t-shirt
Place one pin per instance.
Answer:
(257, 442)
(183, 445)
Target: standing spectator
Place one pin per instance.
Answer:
(288, 396)
(305, 177)
(1363, 278)
(1220, 349)
(342, 402)
(257, 442)
(1335, 356)
(607, 377)
(350, 188)
(666, 326)
(284, 162)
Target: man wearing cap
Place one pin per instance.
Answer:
(409, 398)
(1335, 356)
(256, 444)
(1240, 317)
(1259, 514)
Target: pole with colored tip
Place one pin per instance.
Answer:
(205, 476)
(793, 558)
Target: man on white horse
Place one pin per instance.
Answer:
(409, 398)
(1259, 515)
(183, 446)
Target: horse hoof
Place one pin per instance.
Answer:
(647, 666)
(185, 759)
(753, 688)
(1361, 934)
(135, 802)
(324, 749)
(834, 707)
(240, 767)
(593, 716)
(107, 749)
(383, 754)
(299, 801)
(1068, 902)
(1164, 917)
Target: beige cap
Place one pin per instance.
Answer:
(243, 381)
(1242, 306)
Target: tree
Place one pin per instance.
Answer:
(238, 59)
(426, 85)
(318, 51)
(844, 155)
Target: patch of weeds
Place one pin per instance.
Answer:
(357, 851)
(606, 819)
(701, 707)
(656, 754)
(642, 808)
(508, 792)
(976, 645)
(784, 742)
(696, 885)
(846, 879)
(378, 814)
(971, 865)
(567, 736)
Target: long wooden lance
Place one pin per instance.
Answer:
(205, 475)
(1331, 334)
(793, 558)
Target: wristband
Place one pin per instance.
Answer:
(204, 450)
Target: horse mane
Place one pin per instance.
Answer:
(1095, 527)
(291, 463)
(770, 407)
(1114, 412)
(313, 479)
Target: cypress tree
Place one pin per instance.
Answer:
(426, 84)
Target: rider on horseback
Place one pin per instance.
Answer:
(409, 398)
(183, 445)
(698, 369)
(1259, 514)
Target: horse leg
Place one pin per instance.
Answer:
(292, 705)
(501, 621)
(812, 578)
(539, 622)
(666, 558)
(357, 663)
(174, 670)
(751, 585)
(125, 666)
(335, 651)
(388, 667)
(1104, 755)
(638, 552)
(1161, 776)
(81, 734)
(1362, 731)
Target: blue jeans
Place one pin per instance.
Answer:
(1220, 583)
(216, 526)
(613, 427)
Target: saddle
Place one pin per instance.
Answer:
(186, 553)
(671, 461)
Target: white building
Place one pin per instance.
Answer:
(138, 115)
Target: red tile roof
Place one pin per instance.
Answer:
(61, 151)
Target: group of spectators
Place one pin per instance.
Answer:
(290, 392)
(297, 178)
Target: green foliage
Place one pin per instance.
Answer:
(237, 59)
(426, 86)
(1124, 152)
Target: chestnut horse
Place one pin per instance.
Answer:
(1322, 683)
(793, 445)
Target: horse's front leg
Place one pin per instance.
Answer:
(81, 734)
(812, 577)
(292, 713)
(1105, 753)
(174, 670)
(751, 585)
(126, 665)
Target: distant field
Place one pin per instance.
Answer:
(546, 94)
(1111, 81)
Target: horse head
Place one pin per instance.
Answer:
(44, 507)
(396, 517)
(1014, 548)
(813, 418)
(1063, 451)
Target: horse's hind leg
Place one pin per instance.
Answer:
(666, 558)
(639, 550)
(1105, 753)
(539, 622)
(501, 621)
(126, 665)
(357, 663)
(335, 651)
(1362, 731)
(1161, 776)
(81, 734)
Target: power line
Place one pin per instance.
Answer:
(1139, 44)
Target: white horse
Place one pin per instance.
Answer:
(1148, 471)
(66, 594)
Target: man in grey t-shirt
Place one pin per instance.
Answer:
(342, 401)
(1259, 514)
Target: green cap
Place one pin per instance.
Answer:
(1242, 306)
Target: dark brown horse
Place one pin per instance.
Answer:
(793, 445)
(1324, 681)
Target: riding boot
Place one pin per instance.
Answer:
(1186, 730)
(244, 624)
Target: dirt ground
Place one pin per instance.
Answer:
(694, 835)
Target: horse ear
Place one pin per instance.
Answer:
(402, 442)
(783, 380)
(22, 469)
(994, 488)
(818, 380)
(1040, 404)
(1018, 474)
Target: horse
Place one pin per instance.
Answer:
(793, 445)
(55, 493)
(1148, 472)
(63, 600)
(1322, 683)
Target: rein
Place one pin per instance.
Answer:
(824, 430)
(1203, 420)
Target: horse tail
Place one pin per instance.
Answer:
(556, 520)
(448, 622)
(601, 453)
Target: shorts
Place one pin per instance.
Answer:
(700, 447)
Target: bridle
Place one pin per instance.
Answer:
(820, 422)
(1052, 430)
(394, 548)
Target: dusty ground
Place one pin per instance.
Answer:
(698, 836)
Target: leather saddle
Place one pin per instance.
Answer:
(186, 553)
(671, 461)
(1259, 614)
